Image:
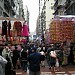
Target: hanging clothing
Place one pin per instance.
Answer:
(4, 28)
(9, 27)
(17, 28)
(23, 40)
(25, 30)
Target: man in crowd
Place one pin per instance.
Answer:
(34, 60)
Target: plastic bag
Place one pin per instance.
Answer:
(27, 71)
(3, 60)
(57, 64)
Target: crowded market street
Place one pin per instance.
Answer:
(37, 37)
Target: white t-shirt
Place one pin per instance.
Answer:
(42, 53)
(52, 52)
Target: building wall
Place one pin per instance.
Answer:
(1, 7)
(70, 7)
(49, 12)
(61, 2)
(11, 8)
(59, 7)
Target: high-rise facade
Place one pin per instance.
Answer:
(64, 7)
(26, 14)
(7, 8)
(11, 8)
(49, 12)
(45, 15)
(59, 7)
(70, 7)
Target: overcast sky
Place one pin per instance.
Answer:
(33, 7)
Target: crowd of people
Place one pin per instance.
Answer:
(31, 57)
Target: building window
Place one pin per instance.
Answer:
(1, 0)
(51, 7)
(52, 3)
(1, 11)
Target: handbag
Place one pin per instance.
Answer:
(53, 54)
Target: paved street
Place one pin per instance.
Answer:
(66, 70)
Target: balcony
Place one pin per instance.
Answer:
(67, 3)
(12, 3)
(13, 11)
(7, 4)
(56, 3)
(56, 12)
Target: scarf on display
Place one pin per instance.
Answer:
(25, 30)
(4, 27)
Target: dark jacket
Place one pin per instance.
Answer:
(16, 54)
(23, 55)
(34, 60)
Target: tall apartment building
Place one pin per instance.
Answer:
(49, 12)
(11, 8)
(19, 9)
(70, 7)
(26, 14)
(66, 7)
(46, 14)
(38, 23)
(1, 7)
(7, 8)
(59, 7)
(37, 27)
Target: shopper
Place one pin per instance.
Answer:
(34, 60)
(48, 56)
(15, 57)
(52, 59)
(24, 60)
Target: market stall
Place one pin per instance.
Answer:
(11, 30)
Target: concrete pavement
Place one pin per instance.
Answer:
(66, 70)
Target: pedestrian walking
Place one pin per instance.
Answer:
(60, 58)
(15, 57)
(42, 58)
(52, 59)
(34, 60)
(48, 56)
(24, 59)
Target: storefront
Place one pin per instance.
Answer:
(13, 30)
